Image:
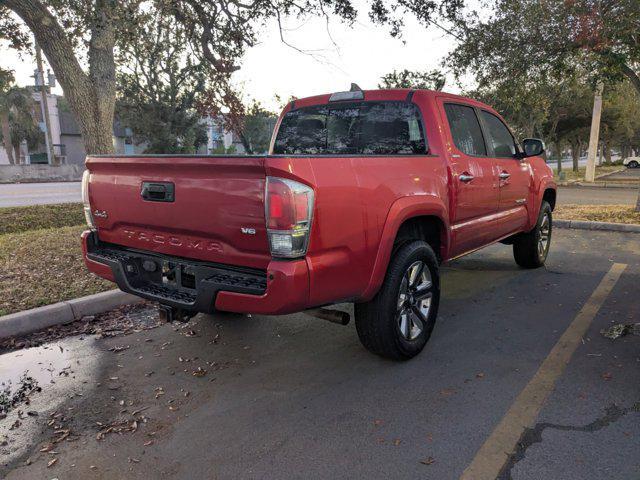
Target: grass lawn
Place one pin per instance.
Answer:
(579, 175)
(598, 213)
(41, 257)
(22, 219)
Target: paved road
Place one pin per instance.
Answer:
(294, 397)
(567, 163)
(597, 196)
(21, 194)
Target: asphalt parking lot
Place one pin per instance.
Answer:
(231, 396)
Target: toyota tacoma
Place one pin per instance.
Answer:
(363, 195)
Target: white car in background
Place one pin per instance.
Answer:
(631, 162)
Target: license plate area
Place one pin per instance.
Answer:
(177, 275)
(169, 274)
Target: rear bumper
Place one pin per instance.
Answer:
(200, 286)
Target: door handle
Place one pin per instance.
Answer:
(466, 178)
(504, 175)
(158, 191)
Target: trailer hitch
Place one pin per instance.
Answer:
(170, 314)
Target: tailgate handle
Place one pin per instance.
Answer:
(158, 191)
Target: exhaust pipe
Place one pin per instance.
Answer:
(333, 316)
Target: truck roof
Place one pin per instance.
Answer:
(390, 94)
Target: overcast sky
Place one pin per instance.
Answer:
(362, 53)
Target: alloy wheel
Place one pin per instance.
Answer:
(414, 300)
(545, 236)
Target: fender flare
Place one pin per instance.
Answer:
(546, 183)
(402, 210)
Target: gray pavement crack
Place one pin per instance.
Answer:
(533, 435)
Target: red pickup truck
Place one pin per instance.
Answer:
(363, 195)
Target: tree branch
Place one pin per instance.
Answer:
(54, 42)
(632, 76)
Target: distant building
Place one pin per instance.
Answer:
(219, 139)
(69, 148)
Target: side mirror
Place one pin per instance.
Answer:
(532, 147)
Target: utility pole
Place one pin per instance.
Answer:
(594, 137)
(44, 106)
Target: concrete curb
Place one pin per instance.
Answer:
(577, 184)
(605, 175)
(21, 323)
(603, 226)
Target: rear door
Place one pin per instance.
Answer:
(514, 176)
(474, 191)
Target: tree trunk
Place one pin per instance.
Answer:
(575, 155)
(16, 151)
(245, 143)
(6, 137)
(633, 76)
(606, 149)
(90, 96)
(624, 151)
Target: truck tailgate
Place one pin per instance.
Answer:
(216, 212)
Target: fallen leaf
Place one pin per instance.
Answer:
(428, 461)
(199, 372)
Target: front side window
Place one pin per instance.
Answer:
(357, 128)
(500, 137)
(465, 129)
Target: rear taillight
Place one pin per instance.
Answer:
(85, 200)
(289, 208)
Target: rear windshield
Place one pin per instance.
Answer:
(361, 128)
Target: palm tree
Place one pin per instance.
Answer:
(16, 116)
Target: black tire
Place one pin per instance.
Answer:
(633, 164)
(526, 246)
(380, 320)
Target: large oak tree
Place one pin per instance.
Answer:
(533, 41)
(80, 38)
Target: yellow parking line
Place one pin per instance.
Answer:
(522, 414)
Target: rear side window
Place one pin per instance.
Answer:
(358, 128)
(500, 137)
(465, 129)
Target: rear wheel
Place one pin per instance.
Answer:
(530, 249)
(399, 320)
(633, 164)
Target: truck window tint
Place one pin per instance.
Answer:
(364, 128)
(499, 136)
(465, 129)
